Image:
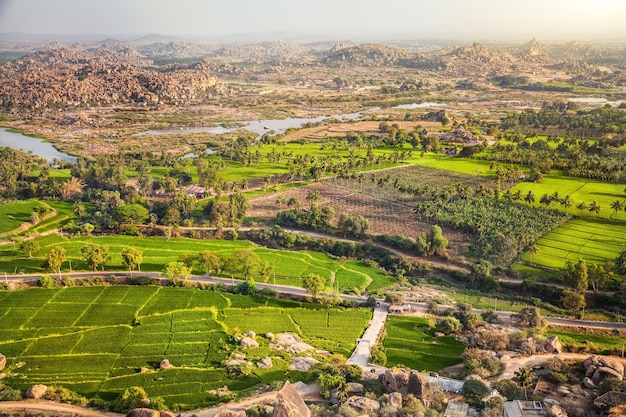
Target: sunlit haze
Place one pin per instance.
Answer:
(325, 19)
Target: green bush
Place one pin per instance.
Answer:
(46, 281)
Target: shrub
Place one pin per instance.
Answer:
(9, 394)
(506, 387)
(46, 282)
(474, 391)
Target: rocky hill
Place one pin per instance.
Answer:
(367, 55)
(63, 76)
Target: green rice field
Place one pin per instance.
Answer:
(289, 266)
(411, 342)
(95, 340)
(594, 240)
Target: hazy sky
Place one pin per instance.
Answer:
(573, 19)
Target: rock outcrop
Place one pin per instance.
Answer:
(265, 363)
(36, 391)
(420, 388)
(599, 368)
(610, 399)
(354, 388)
(143, 412)
(555, 410)
(363, 404)
(302, 363)
(3, 361)
(249, 342)
(165, 364)
(290, 343)
(553, 345)
(289, 403)
(395, 400)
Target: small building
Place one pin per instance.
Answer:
(196, 190)
(524, 409)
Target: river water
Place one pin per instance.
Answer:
(33, 145)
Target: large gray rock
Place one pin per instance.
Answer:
(36, 391)
(588, 383)
(610, 399)
(420, 388)
(300, 363)
(265, 363)
(3, 361)
(603, 361)
(395, 400)
(165, 364)
(249, 342)
(605, 372)
(363, 404)
(289, 403)
(553, 345)
(231, 413)
(389, 381)
(354, 388)
(555, 410)
(143, 412)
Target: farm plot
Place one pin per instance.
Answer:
(101, 337)
(594, 240)
(289, 266)
(15, 214)
(411, 342)
(385, 217)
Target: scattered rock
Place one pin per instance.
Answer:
(302, 364)
(395, 400)
(553, 345)
(230, 413)
(143, 412)
(36, 391)
(3, 375)
(289, 403)
(165, 364)
(265, 363)
(555, 410)
(3, 361)
(290, 343)
(563, 390)
(269, 336)
(354, 388)
(439, 334)
(594, 362)
(166, 414)
(239, 356)
(588, 383)
(505, 358)
(143, 370)
(322, 352)
(605, 372)
(420, 388)
(610, 399)
(363, 404)
(249, 342)
(251, 334)
(234, 362)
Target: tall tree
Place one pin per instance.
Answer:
(55, 258)
(594, 207)
(132, 258)
(29, 247)
(95, 255)
(209, 260)
(577, 275)
(314, 284)
(617, 206)
(177, 271)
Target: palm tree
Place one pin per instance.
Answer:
(532, 250)
(567, 202)
(545, 200)
(617, 206)
(594, 207)
(530, 197)
(582, 206)
(524, 378)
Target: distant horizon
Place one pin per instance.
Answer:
(296, 38)
(327, 20)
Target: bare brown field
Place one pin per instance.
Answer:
(342, 129)
(385, 217)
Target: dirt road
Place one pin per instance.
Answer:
(49, 407)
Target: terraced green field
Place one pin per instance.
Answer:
(594, 240)
(95, 340)
(410, 342)
(14, 214)
(290, 266)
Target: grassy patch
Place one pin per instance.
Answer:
(411, 342)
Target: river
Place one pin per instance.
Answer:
(33, 145)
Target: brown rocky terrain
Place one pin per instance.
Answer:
(63, 76)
